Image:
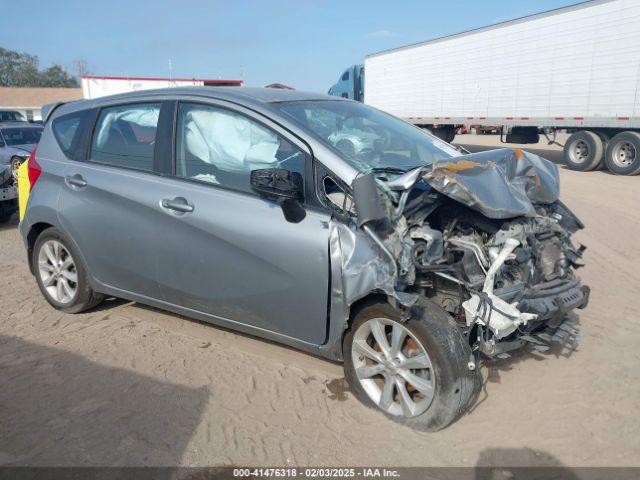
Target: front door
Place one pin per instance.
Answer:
(226, 251)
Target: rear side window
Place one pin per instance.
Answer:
(71, 133)
(124, 136)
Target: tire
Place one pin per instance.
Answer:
(605, 142)
(453, 384)
(450, 135)
(623, 154)
(583, 151)
(44, 256)
(445, 134)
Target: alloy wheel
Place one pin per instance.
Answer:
(393, 367)
(58, 272)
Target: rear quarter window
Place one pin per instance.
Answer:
(71, 132)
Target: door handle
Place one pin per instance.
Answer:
(76, 180)
(178, 204)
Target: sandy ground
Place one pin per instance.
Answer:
(129, 385)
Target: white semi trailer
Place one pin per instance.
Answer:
(575, 68)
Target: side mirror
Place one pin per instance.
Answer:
(369, 207)
(277, 183)
(282, 185)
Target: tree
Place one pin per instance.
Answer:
(18, 69)
(56, 76)
(81, 67)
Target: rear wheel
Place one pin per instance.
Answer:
(60, 274)
(416, 372)
(623, 154)
(583, 151)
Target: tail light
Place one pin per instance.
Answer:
(33, 169)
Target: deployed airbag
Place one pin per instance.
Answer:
(231, 142)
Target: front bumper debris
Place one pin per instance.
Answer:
(555, 300)
(562, 335)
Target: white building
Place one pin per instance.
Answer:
(94, 86)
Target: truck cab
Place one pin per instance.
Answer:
(351, 84)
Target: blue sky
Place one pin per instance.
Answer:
(303, 43)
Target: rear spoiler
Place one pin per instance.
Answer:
(48, 109)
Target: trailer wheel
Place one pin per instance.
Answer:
(583, 151)
(451, 135)
(623, 154)
(443, 133)
(605, 142)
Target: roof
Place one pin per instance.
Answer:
(28, 97)
(515, 21)
(262, 101)
(207, 81)
(240, 94)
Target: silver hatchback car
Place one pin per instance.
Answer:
(313, 221)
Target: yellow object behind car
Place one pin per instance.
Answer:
(24, 187)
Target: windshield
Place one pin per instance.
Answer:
(21, 136)
(11, 116)
(369, 139)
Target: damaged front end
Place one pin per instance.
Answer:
(483, 235)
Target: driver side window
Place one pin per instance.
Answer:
(222, 147)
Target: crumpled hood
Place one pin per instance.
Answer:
(500, 184)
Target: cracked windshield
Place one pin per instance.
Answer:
(368, 139)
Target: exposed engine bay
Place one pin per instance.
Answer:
(486, 238)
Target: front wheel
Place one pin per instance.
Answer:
(417, 372)
(60, 274)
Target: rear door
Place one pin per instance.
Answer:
(108, 203)
(226, 251)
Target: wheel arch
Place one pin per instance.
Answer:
(371, 298)
(33, 234)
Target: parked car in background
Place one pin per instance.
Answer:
(17, 141)
(245, 208)
(8, 194)
(11, 116)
